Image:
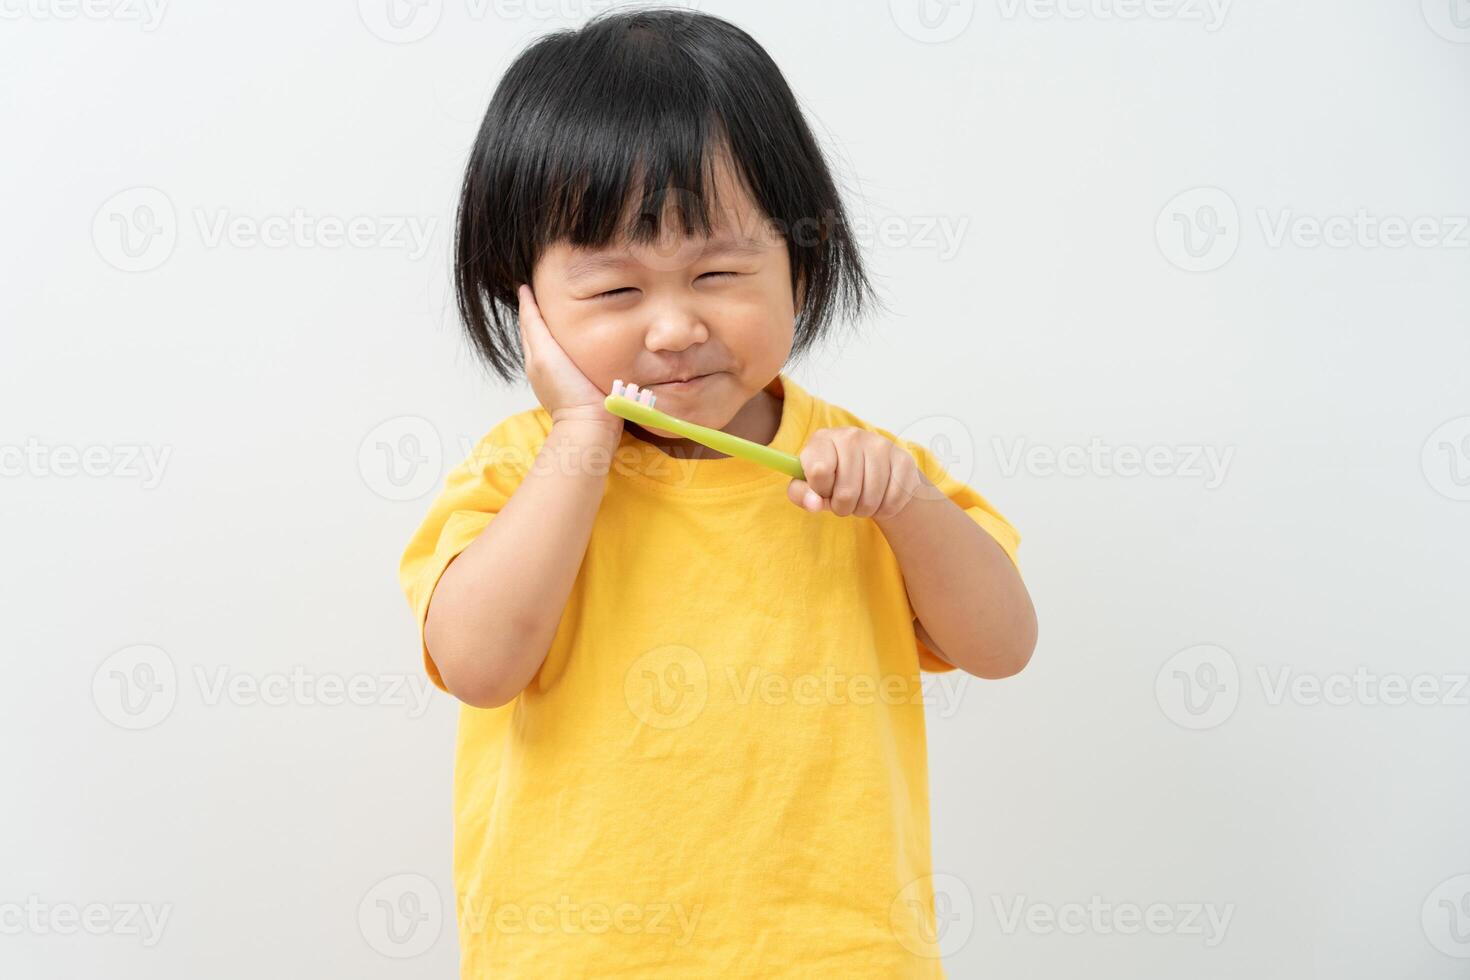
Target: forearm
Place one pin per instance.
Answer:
(496, 608)
(969, 598)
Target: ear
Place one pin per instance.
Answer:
(800, 293)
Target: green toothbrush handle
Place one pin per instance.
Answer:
(722, 442)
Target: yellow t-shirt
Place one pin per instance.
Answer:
(720, 768)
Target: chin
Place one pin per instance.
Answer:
(697, 414)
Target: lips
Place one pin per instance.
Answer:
(677, 379)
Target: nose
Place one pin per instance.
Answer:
(673, 326)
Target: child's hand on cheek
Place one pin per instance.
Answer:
(561, 387)
(852, 472)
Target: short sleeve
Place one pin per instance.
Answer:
(474, 491)
(980, 511)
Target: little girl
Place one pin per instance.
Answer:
(692, 735)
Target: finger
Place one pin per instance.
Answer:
(847, 486)
(819, 463)
(530, 315)
(533, 325)
(803, 496)
(875, 482)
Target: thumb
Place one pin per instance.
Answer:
(803, 496)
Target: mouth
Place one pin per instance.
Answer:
(681, 384)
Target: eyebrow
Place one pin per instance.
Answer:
(598, 261)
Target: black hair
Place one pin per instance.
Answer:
(645, 98)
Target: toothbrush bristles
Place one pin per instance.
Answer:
(631, 392)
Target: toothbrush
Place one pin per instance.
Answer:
(636, 405)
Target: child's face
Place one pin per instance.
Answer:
(681, 308)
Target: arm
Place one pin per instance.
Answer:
(974, 610)
(497, 606)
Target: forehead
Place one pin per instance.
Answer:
(738, 228)
(581, 263)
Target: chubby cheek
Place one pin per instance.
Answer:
(759, 333)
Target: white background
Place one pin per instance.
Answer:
(301, 400)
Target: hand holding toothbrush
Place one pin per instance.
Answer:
(847, 471)
(851, 472)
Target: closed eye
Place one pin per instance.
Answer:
(608, 294)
